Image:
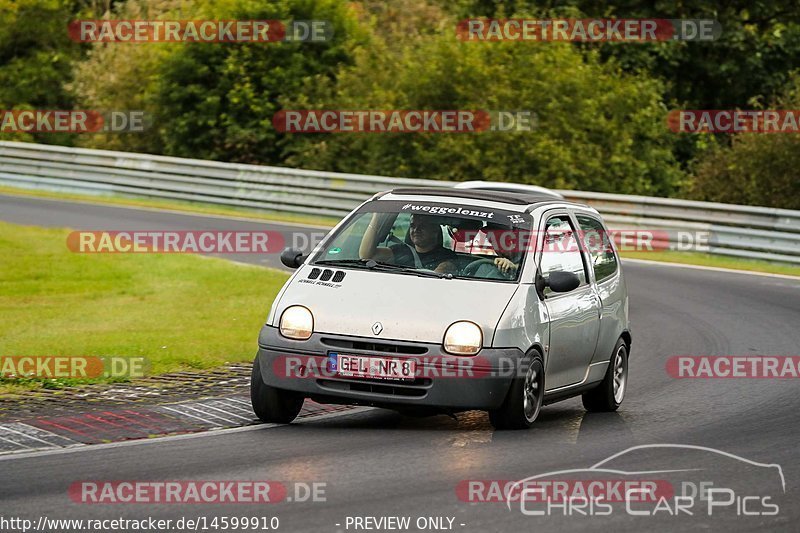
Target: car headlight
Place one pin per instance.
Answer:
(297, 322)
(463, 338)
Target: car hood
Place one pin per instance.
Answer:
(409, 307)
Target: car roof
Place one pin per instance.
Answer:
(523, 188)
(516, 199)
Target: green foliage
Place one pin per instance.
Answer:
(597, 128)
(216, 101)
(600, 106)
(748, 65)
(125, 76)
(757, 169)
(35, 60)
(751, 61)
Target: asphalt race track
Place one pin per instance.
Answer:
(378, 463)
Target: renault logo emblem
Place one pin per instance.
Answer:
(377, 327)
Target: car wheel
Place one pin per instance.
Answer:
(524, 399)
(609, 394)
(271, 404)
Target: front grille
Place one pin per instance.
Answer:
(382, 347)
(416, 388)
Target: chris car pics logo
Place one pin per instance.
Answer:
(665, 480)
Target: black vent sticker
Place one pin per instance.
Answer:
(324, 276)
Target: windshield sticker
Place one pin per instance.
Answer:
(441, 210)
(450, 214)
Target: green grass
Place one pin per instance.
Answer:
(178, 205)
(719, 261)
(178, 311)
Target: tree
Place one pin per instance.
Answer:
(36, 58)
(757, 168)
(216, 101)
(126, 77)
(597, 128)
(750, 62)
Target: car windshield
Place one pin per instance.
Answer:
(427, 238)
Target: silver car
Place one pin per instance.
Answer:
(444, 300)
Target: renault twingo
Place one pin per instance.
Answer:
(426, 300)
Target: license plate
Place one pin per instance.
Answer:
(359, 366)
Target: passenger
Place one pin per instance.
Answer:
(424, 251)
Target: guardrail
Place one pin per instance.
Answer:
(736, 230)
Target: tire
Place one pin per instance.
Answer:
(524, 400)
(610, 393)
(271, 404)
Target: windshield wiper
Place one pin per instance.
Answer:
(381, 266)
(342, 262)
(389, 267)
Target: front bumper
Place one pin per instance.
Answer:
(443, 381)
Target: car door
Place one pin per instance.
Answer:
(603, 261)
(574, 317)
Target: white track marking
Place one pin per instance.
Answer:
(174, 411)
(208, 405)
(247, 411)
(204, 434)
(31, 437)
(194, 407)
(712, 269)
(236, 400)
(172, 211)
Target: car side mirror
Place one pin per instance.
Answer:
(292, 258)
(560, 281)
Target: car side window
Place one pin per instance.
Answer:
(399, 230)
(597, 242)
(560, 251)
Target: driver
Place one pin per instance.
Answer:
(426, 250)
(505, 243)
(509, 256)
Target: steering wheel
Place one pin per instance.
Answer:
(471, 269)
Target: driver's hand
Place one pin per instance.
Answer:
(447, 267)
(505, 265)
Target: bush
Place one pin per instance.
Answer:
(757, 168)
(598, 128)
(216, 101)
(36, 58)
